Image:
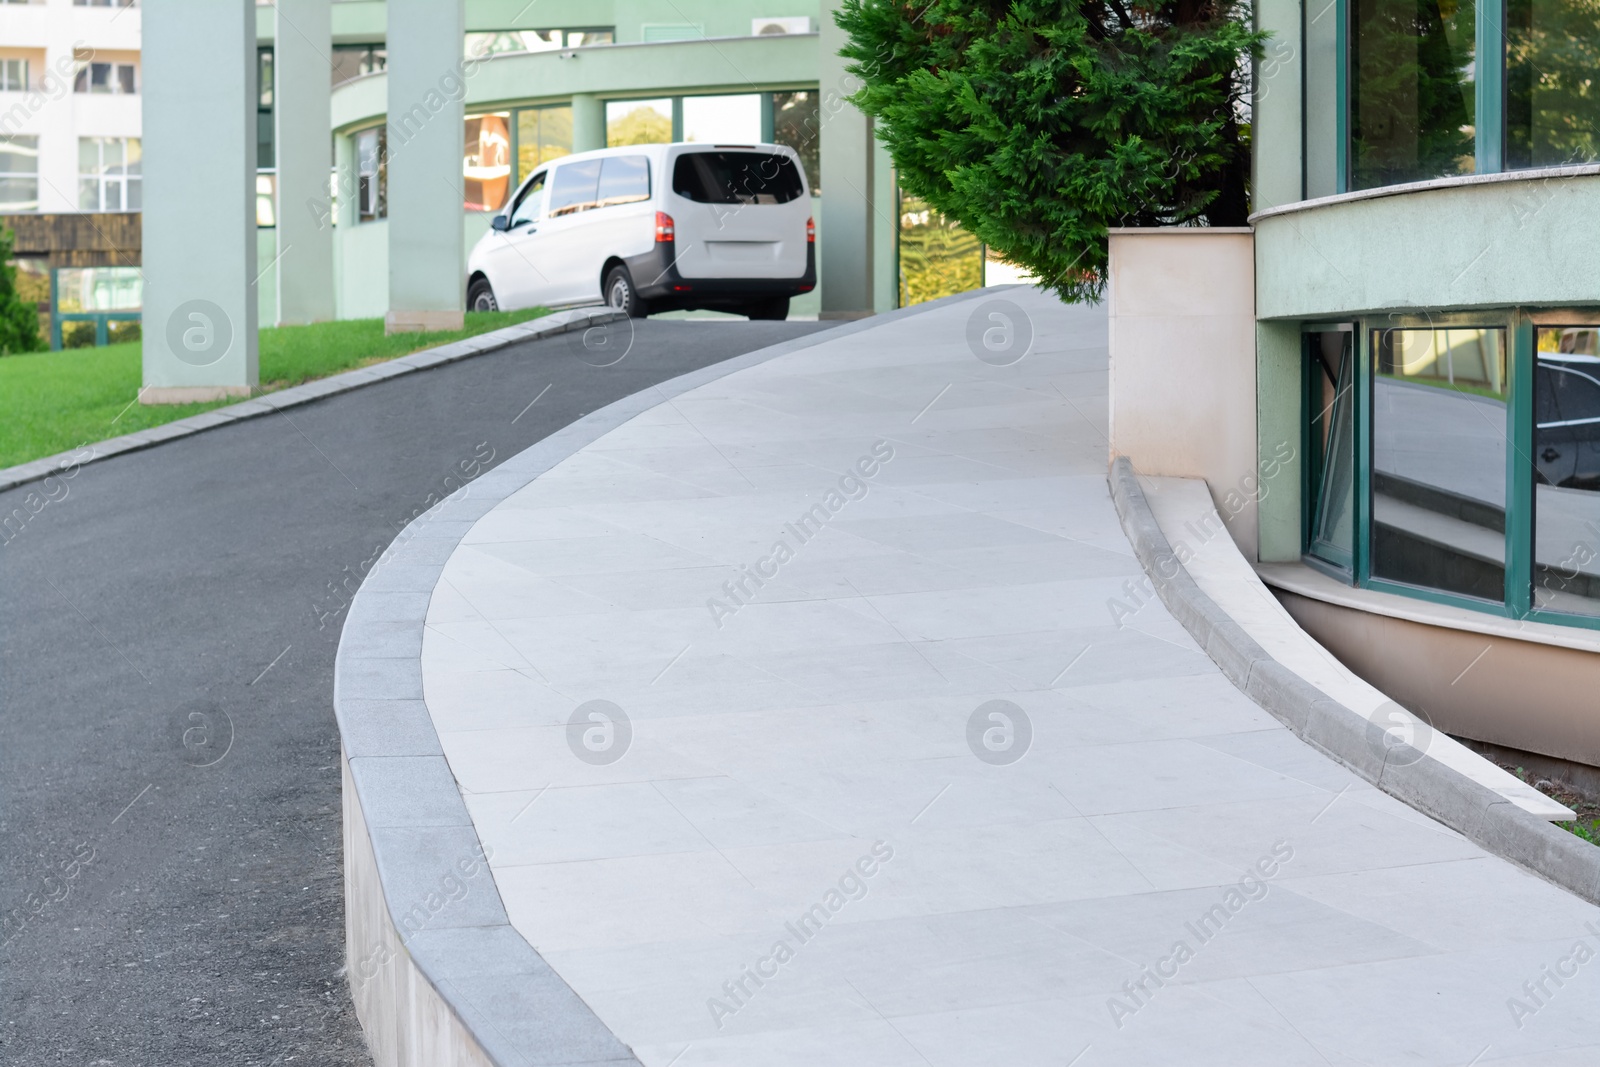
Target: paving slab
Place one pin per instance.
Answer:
(796, 720)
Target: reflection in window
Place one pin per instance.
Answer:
(105, 78)
(372, 171)
(722, 119)
(1330, 368)
(638, 122)
(528, 204)
(354, 60)
(597, 183)
(623, 180)
(1411, 92)
(937, 257)
(83, 289)
(486, 161)
(1552, 99)
(574, 186)
(19, 173)
(797, 122)
(108, 174)
(1439, 449)
(543, 134)
(1566, 450)
(77, 334)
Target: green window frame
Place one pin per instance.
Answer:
(1520, 329)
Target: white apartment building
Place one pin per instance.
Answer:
(69, 105)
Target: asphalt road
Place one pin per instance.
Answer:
(161, 911)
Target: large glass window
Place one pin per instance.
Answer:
(99, 289)
(1566, 449)
(543, 134)
(1412, 108)
(937, 256)
(1552, 93)
(19, 173)
(108, 174)
(797, 122)
(486, 161)
(1439, 453)
(638, 122)
(1460, 462)
(722, 119)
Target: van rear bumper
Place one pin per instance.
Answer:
(655, 275)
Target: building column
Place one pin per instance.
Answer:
(427, 84)
(303, 49)
(851, 231)
(199, 320)
(588, 122)
(1279, 111)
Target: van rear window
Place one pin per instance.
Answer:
(737, 178)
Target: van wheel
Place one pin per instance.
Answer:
(480, 296)
(777, 308)
(622, 296)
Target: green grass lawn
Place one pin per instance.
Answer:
(53, 401)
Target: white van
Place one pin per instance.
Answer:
(655, 227)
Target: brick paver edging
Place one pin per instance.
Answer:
(502, 1004)
(64, 462)
(1473, 810)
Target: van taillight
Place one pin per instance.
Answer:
(664, 229)
(811, 231)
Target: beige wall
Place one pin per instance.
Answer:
(1520, 694)
(1183, 363)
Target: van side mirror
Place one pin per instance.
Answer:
(501, 223)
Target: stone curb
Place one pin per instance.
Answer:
(513, 1004)
(1416, 778)
(66, 464)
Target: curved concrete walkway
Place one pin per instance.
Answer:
(811, 839)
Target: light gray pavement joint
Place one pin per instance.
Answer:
(907, 791)
(66, 464)
(1427, 784)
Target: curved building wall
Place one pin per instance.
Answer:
(618, 71)
(1530, 238)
